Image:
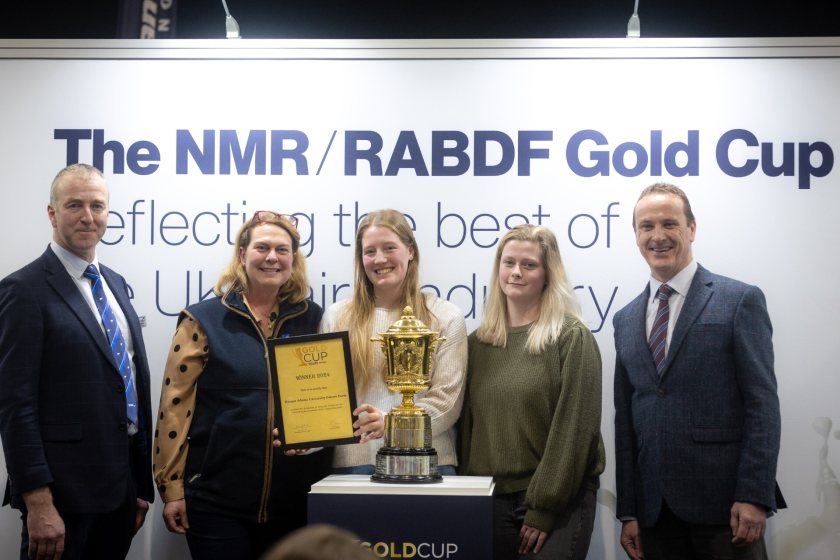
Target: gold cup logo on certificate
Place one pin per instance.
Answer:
(408, 455)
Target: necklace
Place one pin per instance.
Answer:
(265, 316)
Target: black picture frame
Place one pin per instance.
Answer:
(313, 390)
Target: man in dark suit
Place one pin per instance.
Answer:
(74, 401)
(697, 424)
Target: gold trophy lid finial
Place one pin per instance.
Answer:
(408, 323)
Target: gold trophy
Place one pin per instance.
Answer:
(408, 455)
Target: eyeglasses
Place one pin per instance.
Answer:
(269, 216)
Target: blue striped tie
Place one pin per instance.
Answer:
(115, 339)
(659, 330)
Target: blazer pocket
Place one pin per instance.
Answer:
(61, 432)
(715, 435)
(709, 328)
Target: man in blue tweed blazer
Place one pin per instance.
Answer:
(698, 440)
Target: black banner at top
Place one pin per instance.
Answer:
(147, 19)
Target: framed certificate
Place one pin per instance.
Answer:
(314, 394)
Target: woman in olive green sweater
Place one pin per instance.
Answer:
(532, 418)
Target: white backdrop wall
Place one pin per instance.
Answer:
(467, 137)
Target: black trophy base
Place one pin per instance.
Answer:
(406, 466)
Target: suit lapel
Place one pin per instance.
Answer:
(60, 281)
(695, 301)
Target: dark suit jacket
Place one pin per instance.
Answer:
(706, 433)
(62, 405)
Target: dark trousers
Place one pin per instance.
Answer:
(213, 536)
(93, 536)
(673, 539)
(568, 539)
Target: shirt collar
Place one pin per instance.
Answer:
(679, 283)
(74, 264)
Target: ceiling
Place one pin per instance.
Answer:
(386, 19)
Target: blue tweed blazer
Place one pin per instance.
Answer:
(706, 433)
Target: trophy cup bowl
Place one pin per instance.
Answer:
(408, 455)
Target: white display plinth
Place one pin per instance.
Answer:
(361, 484)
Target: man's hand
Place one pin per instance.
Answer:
(44, 524)
(142, 510)
(175, 516)
(747, 522)
(631, 539)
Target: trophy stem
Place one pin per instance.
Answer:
(408, 402)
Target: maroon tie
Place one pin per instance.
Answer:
(659, 330)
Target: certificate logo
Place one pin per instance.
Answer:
(311, 354)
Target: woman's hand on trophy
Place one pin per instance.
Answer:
(370, 423)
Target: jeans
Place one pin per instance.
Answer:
(568, 539)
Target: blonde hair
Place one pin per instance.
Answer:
(557, 298)
(358, 316)
(233, 277)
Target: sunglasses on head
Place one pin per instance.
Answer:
(269, 216)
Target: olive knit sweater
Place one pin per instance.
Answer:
(533, 422)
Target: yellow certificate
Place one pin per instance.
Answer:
(314, 395)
